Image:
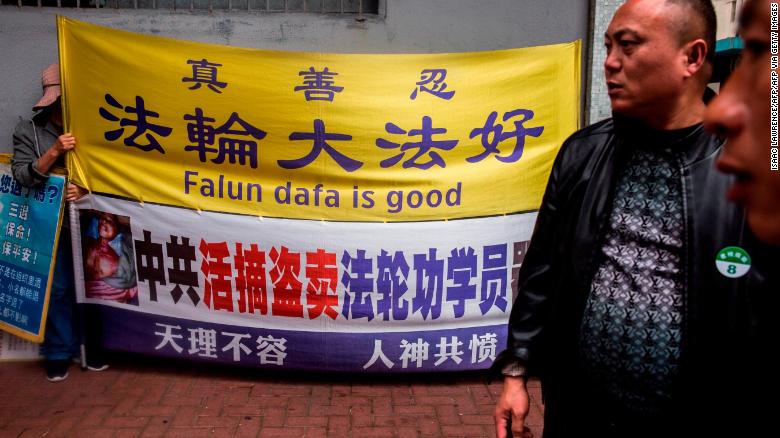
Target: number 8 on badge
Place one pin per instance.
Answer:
(733, 262)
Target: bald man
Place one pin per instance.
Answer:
(637, 295)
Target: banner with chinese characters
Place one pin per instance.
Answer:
(302, 294)
(319, 211)
(349, 137)
(29, 221)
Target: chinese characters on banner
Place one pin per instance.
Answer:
(28, 228)
(362, 213)
(318, 136)
(359, 296)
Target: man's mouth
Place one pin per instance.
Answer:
(739, 191)
(613, 87)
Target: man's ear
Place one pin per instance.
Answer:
(696, 56)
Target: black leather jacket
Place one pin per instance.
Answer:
(726, 321)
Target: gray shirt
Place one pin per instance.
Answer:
(31, 140)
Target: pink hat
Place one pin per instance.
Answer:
(50, 81)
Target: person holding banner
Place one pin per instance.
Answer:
(642, 293)
(39, 145)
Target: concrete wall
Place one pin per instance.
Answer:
(28, 40)
(597, 105)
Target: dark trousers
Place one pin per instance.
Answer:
(61, 337)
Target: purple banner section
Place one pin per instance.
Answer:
(414, 351)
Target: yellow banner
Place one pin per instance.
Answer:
(348, 137)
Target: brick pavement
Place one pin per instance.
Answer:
(146, 397)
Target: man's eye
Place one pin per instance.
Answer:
(756, 47)
(626, 43)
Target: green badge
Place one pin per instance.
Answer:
(733, 262)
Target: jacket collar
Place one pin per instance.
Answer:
(693, 143)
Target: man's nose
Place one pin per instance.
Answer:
(612, 63)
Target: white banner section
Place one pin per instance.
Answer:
(171, 280)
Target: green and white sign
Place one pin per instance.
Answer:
(733, 262)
